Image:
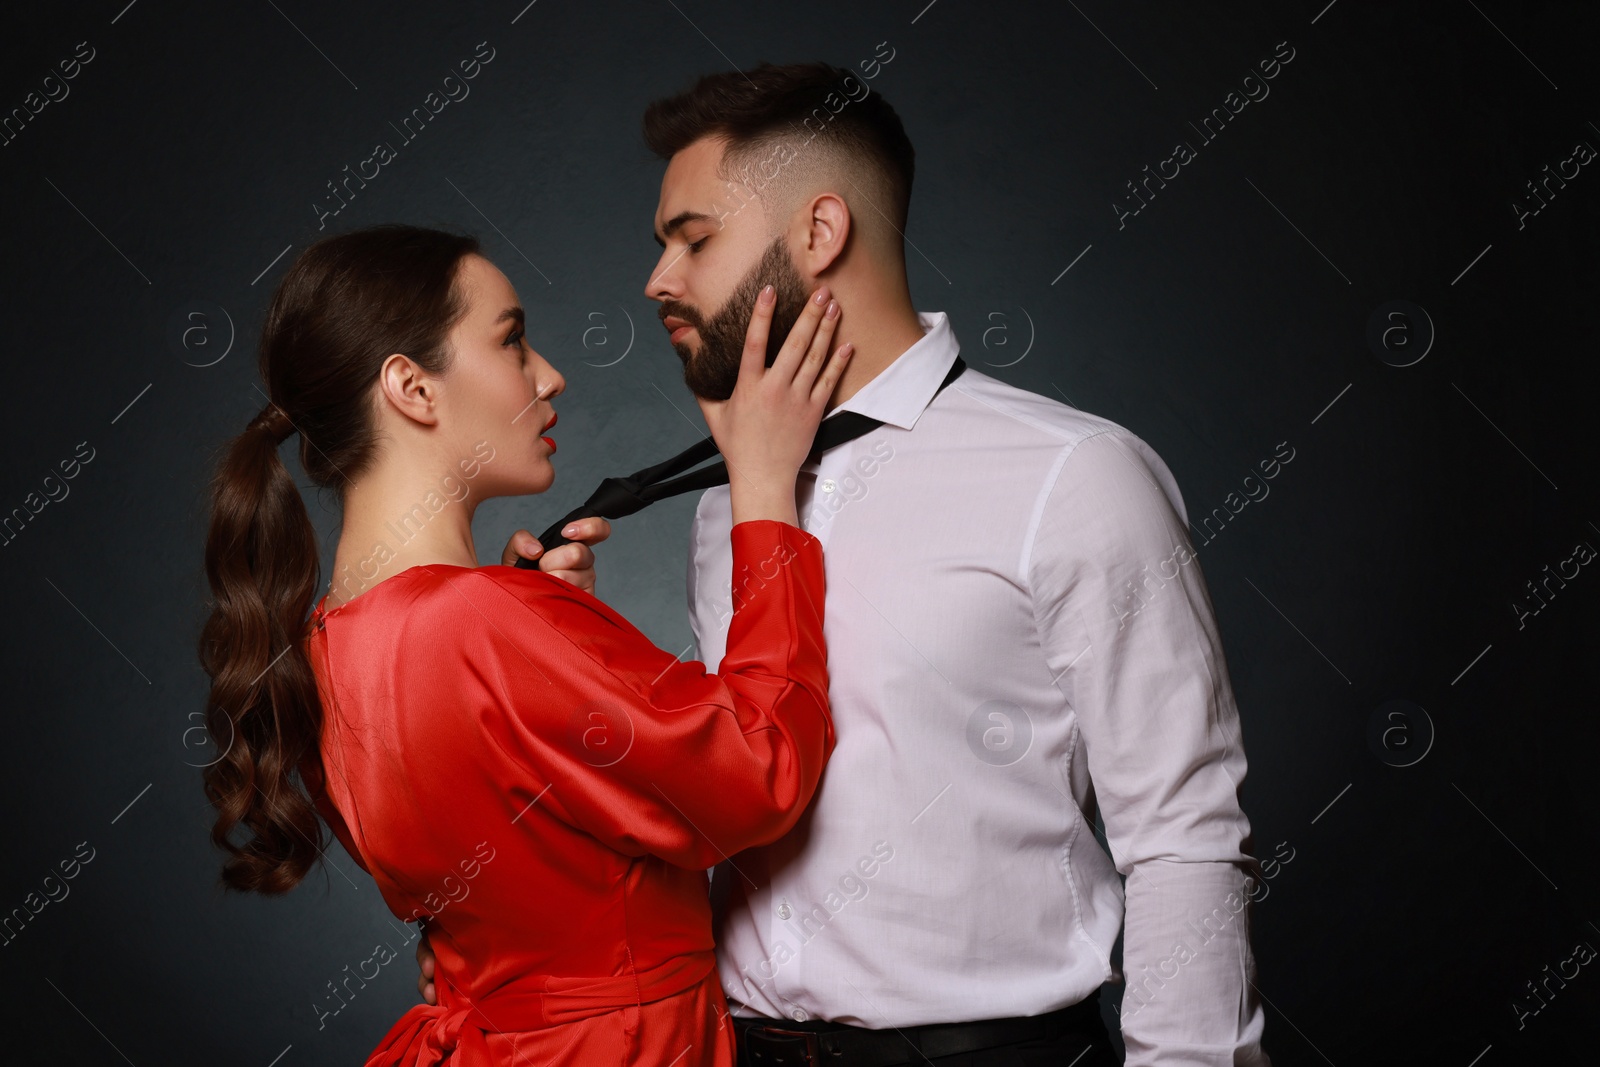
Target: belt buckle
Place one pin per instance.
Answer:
(780, 1042)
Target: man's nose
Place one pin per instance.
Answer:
(664, 283)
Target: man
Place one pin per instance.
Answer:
(1018, 635)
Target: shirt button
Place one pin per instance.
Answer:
(829, 485)
(798, 1015)
(783, 911)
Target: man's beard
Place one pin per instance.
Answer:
(714, 370)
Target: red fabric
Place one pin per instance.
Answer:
(509, 757)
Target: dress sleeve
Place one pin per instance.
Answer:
(314, 778)
(651, 754)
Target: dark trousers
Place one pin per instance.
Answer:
(1084, 1045)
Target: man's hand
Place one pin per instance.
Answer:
(425, 963)
(573, 563)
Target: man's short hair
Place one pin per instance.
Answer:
(793, 118)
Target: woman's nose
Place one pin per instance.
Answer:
(550, 381)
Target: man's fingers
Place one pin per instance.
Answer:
(523, 545)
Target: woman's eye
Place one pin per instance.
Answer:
(515, 338)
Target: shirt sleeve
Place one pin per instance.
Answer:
(1129, 631)
(651, 754)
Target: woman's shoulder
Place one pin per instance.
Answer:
(442, 599)
(459, 613)
(451, 590)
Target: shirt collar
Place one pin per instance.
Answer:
(903, 389)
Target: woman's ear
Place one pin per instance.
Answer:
(827, 229)
(408, 389)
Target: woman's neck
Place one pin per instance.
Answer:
(392, 524)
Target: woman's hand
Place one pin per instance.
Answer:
(766, 427)
(573, 562)
(425, 951)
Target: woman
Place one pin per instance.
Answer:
(507, 757)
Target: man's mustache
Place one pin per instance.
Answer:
(677, 310)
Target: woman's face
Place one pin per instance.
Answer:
(497, 393)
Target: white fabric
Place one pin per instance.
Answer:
(990, 682)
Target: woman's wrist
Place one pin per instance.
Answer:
(770, 501)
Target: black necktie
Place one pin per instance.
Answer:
(618, 497)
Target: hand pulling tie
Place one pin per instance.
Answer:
(617, 497)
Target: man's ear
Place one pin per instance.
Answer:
(826, 221)
(408, 389)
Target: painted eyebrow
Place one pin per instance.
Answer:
(677, 222)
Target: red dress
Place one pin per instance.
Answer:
(511, 758)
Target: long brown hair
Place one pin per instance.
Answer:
(343, 307)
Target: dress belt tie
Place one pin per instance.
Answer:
(430, 1034)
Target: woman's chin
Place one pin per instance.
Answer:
(535, 478)
(540, 480)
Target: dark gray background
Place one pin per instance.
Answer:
(1229, 316)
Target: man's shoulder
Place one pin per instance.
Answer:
(1054, 423)
(1058, 436)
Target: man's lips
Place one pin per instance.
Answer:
(676, 328)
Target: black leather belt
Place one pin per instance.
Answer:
(780, 1043)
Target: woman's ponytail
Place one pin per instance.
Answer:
(343, 307)
(264, 714)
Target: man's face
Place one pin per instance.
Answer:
(716, 256)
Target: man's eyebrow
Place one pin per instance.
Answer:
(677, 222)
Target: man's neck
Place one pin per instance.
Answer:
(880, 337)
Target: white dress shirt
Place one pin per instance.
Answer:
(1016, 632)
